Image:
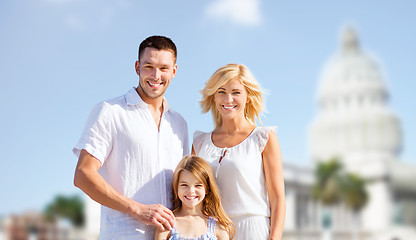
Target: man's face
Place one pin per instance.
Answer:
(155, 69)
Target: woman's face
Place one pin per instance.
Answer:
(230, 99)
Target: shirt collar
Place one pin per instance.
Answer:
(133, 98)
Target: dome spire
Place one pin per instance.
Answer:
(349, 41)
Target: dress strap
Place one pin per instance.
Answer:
(173, 234)
(211, 225)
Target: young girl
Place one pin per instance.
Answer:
(196, 204)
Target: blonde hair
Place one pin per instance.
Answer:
(222, 76)
(211, 205)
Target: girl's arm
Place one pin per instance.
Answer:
(273, 170)
(221, 233)
(161, 235)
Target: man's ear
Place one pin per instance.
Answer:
(175, 68)
(137, 67)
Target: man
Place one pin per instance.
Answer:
(130, 147)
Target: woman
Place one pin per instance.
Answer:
(245, 158)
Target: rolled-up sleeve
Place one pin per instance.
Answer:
(96, 138)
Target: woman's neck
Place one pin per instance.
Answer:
(231, 126)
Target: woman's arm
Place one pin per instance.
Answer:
(273, 170)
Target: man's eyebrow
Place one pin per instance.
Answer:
(161, 65)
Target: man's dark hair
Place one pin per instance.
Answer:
(160, 43)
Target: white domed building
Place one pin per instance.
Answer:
(353, 120)
(355, 125)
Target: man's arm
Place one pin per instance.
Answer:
(97, 188)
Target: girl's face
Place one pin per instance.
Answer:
(190, 190)
(230, 99)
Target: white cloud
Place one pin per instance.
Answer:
(83, 15)
(245, 12)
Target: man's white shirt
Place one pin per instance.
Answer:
(137, 159)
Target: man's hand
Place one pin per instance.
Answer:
(155, 214)
(93, 184)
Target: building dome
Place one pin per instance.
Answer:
(353, 117)
(351, 76)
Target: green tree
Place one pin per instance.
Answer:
(71, 208)
(355, 197)
(333, 185)
(354, 191)
(326, 188)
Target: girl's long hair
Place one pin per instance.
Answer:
(211, 205)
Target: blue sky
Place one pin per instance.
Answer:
(60, 57)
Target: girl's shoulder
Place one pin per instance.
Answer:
(221, 233)
(162, 235)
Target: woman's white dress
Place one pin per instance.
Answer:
(240, 178)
